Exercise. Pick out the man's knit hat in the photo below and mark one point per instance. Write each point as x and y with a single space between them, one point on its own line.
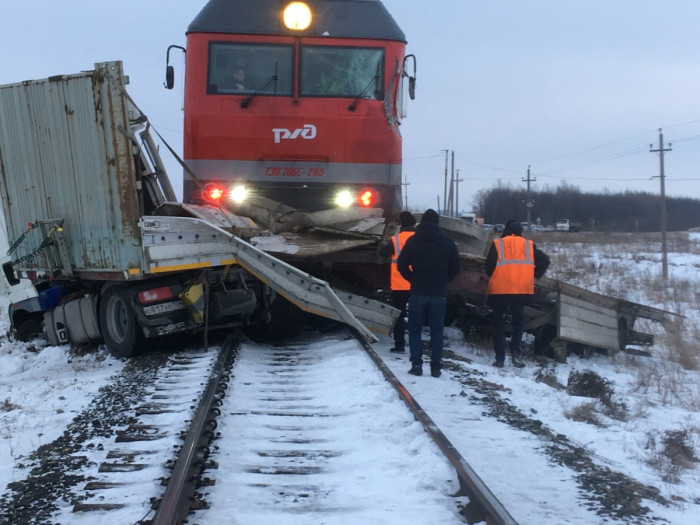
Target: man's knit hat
407 219
512 228
431 215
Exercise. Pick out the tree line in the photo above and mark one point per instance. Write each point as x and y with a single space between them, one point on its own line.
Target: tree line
629 211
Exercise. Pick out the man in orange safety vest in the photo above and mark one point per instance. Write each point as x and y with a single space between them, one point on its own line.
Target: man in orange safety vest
400 287
512 264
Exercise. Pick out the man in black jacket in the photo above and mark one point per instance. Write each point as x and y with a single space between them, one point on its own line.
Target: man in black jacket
429 260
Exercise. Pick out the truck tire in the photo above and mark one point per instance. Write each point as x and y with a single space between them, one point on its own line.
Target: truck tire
286 321
30 329
120 330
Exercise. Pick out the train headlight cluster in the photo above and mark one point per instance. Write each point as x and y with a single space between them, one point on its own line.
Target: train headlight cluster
297 16
218 194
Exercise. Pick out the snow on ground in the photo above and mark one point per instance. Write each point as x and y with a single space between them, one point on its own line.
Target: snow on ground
43 388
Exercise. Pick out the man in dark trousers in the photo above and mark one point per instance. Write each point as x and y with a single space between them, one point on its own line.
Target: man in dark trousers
400 287
429 260
512 264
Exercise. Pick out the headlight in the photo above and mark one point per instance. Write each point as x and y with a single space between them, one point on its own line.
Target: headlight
344 199
238 194
297 16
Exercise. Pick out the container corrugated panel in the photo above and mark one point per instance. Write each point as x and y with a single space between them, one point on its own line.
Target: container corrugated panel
63 155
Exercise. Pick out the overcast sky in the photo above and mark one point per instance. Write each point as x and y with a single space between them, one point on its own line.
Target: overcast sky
576 90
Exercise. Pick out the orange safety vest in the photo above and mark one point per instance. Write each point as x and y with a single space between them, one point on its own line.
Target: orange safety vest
515 269
397 281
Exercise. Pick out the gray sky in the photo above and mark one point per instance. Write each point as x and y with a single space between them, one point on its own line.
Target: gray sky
575 89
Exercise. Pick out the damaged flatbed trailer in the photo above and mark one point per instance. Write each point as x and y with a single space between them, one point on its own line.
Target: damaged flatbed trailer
563 318
89 209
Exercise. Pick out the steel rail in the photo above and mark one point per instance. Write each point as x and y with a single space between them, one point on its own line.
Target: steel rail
178 496
483 505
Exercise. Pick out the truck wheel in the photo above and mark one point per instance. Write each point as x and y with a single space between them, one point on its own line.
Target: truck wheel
286 321
122 334
31 328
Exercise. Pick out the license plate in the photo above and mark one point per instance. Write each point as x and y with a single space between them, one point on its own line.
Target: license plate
163 308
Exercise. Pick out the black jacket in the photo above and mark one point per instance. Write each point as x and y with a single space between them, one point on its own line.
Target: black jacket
429 260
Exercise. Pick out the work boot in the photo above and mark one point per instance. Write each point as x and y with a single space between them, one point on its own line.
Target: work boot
434 371
517 362
398 349
498 364
416 370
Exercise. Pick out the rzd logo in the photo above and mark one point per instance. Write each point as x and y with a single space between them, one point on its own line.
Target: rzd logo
307 132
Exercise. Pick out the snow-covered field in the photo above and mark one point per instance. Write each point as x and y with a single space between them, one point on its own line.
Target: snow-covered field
653 436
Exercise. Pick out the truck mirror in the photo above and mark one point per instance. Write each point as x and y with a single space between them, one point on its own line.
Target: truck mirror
412 87
169 77
9 272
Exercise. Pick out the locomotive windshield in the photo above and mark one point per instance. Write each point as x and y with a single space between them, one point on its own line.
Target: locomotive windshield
266 69
250 68
342 72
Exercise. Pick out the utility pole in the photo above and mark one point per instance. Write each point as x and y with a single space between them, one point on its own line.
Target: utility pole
444 195
662 176
457 181
529 203
405 185
450 198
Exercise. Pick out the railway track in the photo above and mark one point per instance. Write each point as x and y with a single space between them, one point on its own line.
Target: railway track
289 451
110 460
280 435
286 445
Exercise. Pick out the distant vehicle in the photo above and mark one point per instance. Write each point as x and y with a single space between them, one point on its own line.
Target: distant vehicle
488 226
563 225
499 227
548 228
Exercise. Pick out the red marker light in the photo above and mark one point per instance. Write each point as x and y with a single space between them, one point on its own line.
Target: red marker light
367 198
213 193
216 194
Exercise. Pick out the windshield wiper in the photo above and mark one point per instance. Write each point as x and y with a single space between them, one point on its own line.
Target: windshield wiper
269 82
353 106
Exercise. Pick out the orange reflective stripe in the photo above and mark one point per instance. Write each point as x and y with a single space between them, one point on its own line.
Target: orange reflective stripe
515 267
397 281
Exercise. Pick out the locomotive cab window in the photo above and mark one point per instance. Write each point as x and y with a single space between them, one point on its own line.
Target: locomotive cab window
342 72
236 68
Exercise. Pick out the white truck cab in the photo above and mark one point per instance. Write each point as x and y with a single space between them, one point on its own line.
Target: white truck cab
562 225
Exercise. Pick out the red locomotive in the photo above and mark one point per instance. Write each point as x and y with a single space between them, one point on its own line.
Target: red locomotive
299 102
